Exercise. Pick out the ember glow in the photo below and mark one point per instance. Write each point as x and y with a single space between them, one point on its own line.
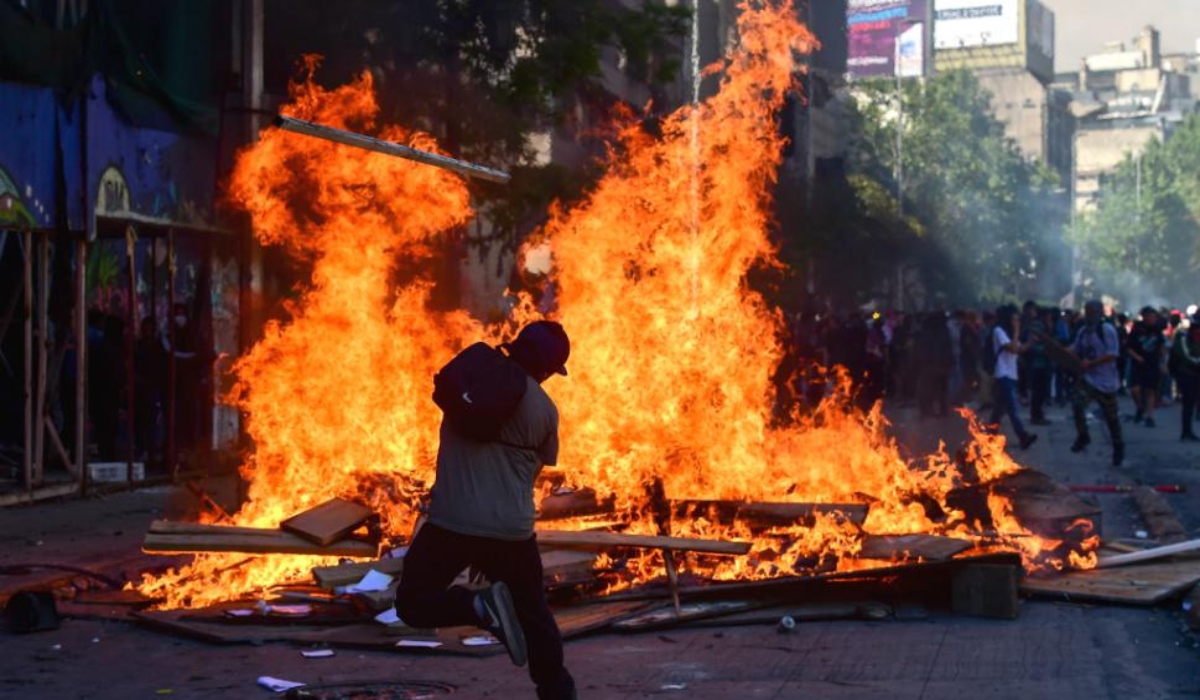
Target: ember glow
672 352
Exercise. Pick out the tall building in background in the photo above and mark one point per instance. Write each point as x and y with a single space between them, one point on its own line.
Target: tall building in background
1009 46
1125 96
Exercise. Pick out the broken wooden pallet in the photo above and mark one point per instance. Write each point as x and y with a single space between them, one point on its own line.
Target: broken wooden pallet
166 536
328 522
924 547
1145 584
609 540
353 572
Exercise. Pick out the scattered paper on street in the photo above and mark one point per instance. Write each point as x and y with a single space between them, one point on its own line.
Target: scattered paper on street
278 685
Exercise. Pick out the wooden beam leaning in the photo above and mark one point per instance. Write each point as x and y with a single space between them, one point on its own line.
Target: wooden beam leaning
1149 554
370 143
329 521
189 537
608 540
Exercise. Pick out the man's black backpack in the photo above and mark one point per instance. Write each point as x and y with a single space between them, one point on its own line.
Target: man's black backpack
479 390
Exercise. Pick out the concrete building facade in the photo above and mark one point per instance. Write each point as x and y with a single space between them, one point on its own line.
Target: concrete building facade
1012 55
1124 97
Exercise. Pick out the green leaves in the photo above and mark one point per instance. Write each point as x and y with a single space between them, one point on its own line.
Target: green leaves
987 210
1143 238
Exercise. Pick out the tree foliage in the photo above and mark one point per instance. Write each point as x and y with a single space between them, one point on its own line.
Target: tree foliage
992 216
1142 242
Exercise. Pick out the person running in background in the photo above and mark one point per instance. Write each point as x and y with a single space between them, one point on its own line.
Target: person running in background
1097 347
1036 362
1146 349
1185 368
1004 394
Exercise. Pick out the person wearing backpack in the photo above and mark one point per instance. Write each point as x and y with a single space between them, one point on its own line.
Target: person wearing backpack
1006 348
498 430
1098 346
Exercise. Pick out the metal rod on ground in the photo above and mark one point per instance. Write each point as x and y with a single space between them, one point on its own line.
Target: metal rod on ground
370 143
1120 488
171 368
81 359
130 335
27 455
43 322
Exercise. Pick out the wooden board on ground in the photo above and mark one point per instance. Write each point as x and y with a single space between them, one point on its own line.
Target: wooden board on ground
1145 584
664 616
581 618
362 635
329 522
1158 515
926 547
349 573
799 612
264 542
609 540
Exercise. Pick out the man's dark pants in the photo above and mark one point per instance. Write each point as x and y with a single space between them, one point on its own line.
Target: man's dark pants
1189 390
1039 389
425 599
1085 393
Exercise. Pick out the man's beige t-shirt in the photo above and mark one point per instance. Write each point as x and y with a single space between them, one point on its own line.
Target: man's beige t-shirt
486 488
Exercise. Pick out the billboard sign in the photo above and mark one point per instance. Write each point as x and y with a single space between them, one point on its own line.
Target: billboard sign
962 24
910 52
874 27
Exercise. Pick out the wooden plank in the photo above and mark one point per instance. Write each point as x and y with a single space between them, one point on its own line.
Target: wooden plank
178 527
563 565
582 618
898 547
1062 357
609 540
667 616
985 590
346 574
365 635
1146 584
1151 554
1158 515
799 612
329 522
787 513
273 542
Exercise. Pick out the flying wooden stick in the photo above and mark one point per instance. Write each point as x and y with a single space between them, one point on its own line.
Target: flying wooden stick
390 148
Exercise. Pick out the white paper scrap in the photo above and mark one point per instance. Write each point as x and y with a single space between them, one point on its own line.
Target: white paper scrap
420 643
481 640
243 612
388 617
277 684
317 653
373 581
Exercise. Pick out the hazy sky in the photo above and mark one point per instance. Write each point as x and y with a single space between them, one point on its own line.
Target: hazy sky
1083 26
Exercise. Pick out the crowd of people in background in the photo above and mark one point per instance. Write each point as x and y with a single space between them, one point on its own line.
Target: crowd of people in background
1008 362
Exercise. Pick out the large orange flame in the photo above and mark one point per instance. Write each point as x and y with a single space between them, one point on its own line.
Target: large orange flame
672 352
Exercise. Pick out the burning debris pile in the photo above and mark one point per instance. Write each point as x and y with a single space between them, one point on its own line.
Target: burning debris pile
667 424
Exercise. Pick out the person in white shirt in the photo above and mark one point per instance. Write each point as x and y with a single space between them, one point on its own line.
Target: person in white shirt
1004 390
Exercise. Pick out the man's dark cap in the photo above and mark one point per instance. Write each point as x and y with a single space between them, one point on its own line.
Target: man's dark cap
1146 310
542 346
